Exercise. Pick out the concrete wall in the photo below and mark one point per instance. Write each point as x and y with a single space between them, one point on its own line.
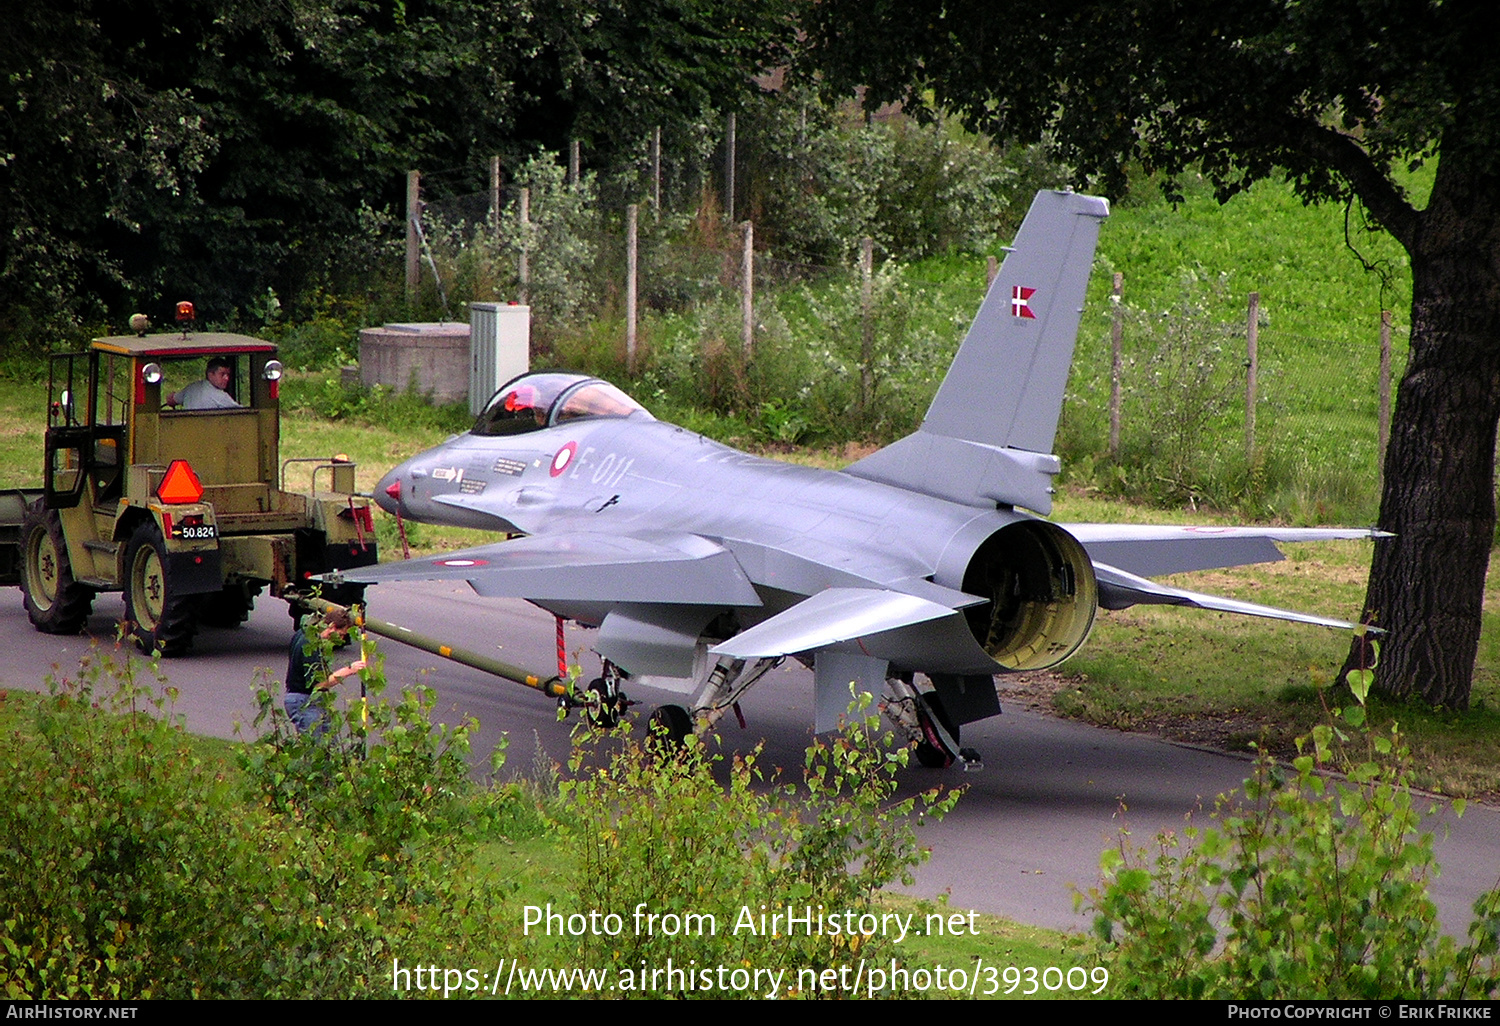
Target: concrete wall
431 358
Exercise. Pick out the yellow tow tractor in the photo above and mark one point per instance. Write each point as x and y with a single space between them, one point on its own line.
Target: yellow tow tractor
164 480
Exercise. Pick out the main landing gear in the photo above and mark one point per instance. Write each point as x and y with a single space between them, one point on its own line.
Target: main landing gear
916 714
920 717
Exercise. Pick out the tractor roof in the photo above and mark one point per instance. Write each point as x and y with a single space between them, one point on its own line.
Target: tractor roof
175 344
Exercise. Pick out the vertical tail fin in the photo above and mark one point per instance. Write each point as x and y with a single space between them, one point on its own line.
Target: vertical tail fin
987 438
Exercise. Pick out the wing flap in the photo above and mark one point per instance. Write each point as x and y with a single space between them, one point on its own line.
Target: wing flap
675 569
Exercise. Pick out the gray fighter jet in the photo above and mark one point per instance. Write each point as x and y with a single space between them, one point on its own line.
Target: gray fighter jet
918 572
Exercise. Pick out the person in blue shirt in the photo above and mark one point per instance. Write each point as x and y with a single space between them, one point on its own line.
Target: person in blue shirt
308 672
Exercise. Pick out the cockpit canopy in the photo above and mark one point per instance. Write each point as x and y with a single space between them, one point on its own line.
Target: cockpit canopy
532 402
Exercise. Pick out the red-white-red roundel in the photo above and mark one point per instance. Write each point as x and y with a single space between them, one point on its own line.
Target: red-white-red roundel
463 562
563 458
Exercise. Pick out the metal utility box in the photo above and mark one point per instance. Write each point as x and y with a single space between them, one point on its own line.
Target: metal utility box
499 348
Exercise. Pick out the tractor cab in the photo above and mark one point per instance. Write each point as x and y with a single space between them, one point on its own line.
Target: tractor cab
163 478
116 420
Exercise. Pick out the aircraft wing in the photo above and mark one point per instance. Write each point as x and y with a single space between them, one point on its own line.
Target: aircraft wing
680 569
1119 589
1153 551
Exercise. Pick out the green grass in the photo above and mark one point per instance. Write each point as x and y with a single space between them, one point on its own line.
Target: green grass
1318 347
1230 681
23 423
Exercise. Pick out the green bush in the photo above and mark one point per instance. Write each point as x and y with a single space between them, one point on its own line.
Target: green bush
802 380
329 397
134 868
822 178
662 834
1309 887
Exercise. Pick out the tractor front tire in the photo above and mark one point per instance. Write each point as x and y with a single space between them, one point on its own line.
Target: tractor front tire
55 602
161 620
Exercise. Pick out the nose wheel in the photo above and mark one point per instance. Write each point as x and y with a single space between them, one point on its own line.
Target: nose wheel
603 701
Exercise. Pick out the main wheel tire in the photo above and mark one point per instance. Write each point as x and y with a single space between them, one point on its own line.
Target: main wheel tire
932 751
55 602
159 618
230 607
669 727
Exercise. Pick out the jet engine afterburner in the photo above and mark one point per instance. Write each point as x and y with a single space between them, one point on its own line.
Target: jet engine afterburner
1042 595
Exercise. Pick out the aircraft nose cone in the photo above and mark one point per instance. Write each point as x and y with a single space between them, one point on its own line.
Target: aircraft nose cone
388 492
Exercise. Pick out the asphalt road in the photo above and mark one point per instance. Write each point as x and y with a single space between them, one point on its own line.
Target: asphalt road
1028 830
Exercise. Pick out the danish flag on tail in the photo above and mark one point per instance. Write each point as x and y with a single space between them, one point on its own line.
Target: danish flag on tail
1019 307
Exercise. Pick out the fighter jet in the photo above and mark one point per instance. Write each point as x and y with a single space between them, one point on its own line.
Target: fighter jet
918 572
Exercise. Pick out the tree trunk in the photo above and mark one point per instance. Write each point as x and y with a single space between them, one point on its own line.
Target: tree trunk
1427 583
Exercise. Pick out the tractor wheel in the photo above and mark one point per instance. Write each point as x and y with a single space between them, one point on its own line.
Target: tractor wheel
55 602
230 607
160 619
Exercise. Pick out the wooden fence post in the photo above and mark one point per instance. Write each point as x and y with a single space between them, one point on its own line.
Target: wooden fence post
523 266
1252 371
413 243
495 196
1116 361
573 161
991 269
656 172
1385 387
867 319
747 292
729 170
631 214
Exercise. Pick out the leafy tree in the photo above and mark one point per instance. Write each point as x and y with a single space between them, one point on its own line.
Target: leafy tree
152 150
608 71
1337 98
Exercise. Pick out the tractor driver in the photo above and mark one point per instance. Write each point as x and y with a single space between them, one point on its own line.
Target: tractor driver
212 392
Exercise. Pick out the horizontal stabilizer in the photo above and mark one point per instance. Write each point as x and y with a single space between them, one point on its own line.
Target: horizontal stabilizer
829 617
1152 551
680 569
1119 589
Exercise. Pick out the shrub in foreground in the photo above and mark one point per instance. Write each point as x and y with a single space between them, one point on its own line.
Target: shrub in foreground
1309 886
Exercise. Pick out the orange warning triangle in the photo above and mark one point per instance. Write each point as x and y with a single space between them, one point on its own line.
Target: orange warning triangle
180 484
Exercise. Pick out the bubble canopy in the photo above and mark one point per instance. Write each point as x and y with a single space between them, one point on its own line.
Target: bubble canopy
532 402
